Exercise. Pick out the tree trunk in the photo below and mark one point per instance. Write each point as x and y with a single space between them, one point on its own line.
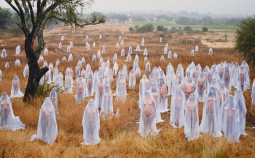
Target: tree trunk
35 73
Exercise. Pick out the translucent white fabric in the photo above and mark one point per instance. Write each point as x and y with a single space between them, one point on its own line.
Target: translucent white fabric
107 101
165 50
80 91
121 90
128 57
99 92
103 49
68 49
170 78
155 93
189 87
26 71
7 118
175 56
117 45
51 67
60 45
71 44
15 92
48 77
191 123
177 108
89 88
87 37
114 60
143 86
94 57
196 48
145 59
62 38
227 79
18 49
64 59
130 50
210 51
58 83
54 99
1 75
69 83
98 54
142 43
55 73
122 53
57 62
115 68
163 100
83 60
241 108
211 121
253 95
41 59
160 39
148 67
162 58
244 79
138 48
100 36
192 53
94 44
4 53
122 42
132 79
231 121
145 52
91 124
70 57
147 124
47 129
169 55
201 88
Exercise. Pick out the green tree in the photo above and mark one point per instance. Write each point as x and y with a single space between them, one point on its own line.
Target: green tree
5 17
38 13
161 28
188 29
245 39
204 29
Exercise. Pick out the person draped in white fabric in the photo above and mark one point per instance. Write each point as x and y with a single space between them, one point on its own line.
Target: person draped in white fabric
7 118
155 93
80 91
191 123
147 124
15 91
47 129
91 124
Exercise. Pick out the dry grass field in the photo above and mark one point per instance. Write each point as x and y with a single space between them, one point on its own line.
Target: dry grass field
119 137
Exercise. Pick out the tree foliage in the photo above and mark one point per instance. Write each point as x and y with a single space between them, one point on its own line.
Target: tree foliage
245 39
5 17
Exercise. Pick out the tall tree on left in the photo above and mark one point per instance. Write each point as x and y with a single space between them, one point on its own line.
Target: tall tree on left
34 15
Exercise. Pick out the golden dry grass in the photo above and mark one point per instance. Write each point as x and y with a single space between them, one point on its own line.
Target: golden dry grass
119 137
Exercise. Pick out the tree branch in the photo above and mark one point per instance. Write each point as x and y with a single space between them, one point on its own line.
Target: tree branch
31 12
13 7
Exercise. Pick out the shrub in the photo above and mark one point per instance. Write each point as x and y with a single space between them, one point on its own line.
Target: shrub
204 29
131 29
44 90
161 28
188 29
173 30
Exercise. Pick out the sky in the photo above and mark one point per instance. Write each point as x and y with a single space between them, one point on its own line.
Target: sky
235 7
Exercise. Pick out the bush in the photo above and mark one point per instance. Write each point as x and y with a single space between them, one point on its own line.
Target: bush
131 29
204 29
44 90
143 29
188 29
245 38
180 31
5 17
173 30
161 28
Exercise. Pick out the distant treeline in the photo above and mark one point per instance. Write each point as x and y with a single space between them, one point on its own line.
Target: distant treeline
181 20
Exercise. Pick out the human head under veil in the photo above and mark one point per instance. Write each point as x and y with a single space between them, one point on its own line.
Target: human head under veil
54 99
191 123
147 125
210 121
231 121
47 129
15 92
7 118
91 124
